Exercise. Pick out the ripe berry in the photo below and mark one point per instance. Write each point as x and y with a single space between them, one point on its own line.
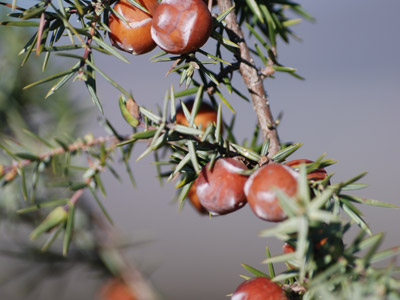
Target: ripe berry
326 245
194 200
287 248
115 289
220 190
134 38
180 27
318 174
259 288
205 116
261 194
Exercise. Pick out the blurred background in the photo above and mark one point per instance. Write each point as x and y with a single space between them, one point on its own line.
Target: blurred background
347 107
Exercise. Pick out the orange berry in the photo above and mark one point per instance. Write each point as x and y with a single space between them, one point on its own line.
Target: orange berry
204 117
220 190
287 248
116 289
134 38
261 194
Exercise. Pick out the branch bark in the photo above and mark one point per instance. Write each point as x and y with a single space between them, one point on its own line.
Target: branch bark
253 80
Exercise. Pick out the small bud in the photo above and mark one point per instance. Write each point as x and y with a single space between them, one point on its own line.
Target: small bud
133 108
54 218
130 111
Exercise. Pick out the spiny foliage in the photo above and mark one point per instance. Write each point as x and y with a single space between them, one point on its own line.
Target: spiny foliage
321 264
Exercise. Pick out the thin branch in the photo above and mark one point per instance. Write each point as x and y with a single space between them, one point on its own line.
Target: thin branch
88 44
11 171
76 196
60 150
253 80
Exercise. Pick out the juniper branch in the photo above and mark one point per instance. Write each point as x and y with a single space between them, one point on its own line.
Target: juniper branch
252 79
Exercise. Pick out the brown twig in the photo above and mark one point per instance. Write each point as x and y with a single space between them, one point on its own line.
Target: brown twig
60 150
12 6
88 49
252 79
76 196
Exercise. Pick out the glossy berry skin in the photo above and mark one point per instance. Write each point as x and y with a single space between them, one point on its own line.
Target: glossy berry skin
220 190
259 288
181 27
115 289
205 116
134 38
261 194
194 200
318 174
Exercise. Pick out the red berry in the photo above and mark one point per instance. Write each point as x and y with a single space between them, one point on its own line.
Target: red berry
261 194
220 190
134 38
116 289
181 26
259 288
318 174
287 248
205 116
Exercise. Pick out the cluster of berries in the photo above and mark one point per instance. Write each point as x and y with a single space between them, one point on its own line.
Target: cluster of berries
226 186
180 27
176 26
